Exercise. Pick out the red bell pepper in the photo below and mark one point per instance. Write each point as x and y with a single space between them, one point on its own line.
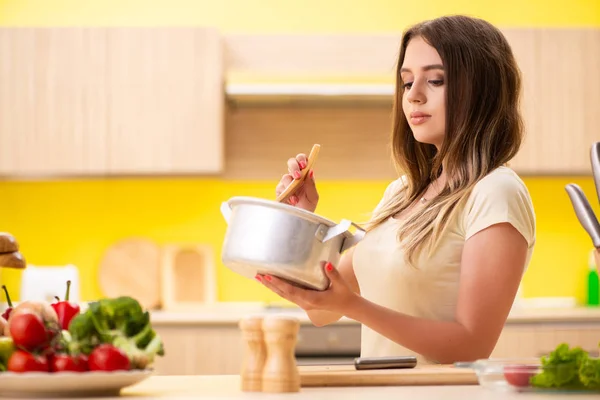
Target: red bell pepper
65 310
6 313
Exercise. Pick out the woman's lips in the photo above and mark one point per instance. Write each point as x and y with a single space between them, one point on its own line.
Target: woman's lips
417 118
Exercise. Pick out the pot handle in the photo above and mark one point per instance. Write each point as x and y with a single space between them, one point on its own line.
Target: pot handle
226 211
342 227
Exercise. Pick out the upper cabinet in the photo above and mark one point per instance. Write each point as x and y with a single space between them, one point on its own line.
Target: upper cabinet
111 101
560 102
561 99
180 101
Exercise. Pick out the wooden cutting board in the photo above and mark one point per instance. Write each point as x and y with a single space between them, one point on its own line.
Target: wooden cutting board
346 375
131 267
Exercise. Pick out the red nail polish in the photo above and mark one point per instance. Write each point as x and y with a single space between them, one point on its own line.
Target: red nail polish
329 266
257 277
312 173
268 278
302 164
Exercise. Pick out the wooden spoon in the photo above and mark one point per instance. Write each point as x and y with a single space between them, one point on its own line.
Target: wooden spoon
12 260
8 244
291 189
597 257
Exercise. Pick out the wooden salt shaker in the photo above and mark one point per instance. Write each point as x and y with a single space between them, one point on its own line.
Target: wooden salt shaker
254 355
280 373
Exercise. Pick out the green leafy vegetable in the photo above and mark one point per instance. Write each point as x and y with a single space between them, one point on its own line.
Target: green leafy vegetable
118 321
568 368
589 373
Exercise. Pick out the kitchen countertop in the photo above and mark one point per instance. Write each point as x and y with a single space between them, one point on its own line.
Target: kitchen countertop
231 313
228 387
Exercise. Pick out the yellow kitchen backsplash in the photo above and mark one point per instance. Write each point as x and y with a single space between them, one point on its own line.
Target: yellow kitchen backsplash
75 221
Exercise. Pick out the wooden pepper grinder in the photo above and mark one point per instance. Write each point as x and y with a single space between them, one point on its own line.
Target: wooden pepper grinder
280 373
254 355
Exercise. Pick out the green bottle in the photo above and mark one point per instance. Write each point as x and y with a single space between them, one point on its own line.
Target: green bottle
593 285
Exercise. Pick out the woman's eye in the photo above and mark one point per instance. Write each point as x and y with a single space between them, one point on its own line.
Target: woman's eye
437 82
407 85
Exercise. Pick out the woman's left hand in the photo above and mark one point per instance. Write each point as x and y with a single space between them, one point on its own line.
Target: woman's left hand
338 297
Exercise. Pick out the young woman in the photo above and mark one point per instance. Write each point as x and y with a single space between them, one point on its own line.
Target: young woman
438 270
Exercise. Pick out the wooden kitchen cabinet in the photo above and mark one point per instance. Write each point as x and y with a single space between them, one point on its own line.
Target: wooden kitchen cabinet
110 101
561 100
200 349
560 103
218 348
534 340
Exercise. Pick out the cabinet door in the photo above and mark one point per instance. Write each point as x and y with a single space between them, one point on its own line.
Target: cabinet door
52 101
535 340
165 101
561 99
96 101
200 350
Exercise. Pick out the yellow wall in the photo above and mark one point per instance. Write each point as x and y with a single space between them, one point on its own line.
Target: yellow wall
74 221
295 15
63 222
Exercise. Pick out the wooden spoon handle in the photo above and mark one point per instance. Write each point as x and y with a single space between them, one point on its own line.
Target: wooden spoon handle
597 257
291 189
8 244
12 260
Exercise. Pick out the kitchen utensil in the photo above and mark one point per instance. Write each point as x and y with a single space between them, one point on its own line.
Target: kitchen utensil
346 375
188 276
269 237
12 260
595 158
8 244
131 267
362 363
584 213
292 187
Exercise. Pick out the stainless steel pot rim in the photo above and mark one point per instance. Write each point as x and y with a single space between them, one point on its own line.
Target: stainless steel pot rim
312 217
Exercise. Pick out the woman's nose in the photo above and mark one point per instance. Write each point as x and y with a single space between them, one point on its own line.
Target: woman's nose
415 95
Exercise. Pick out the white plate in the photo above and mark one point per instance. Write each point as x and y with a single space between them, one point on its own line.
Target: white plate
68 384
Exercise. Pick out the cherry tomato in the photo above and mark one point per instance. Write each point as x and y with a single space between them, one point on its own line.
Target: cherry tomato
28 331
107 357
519 375
64 362
21 361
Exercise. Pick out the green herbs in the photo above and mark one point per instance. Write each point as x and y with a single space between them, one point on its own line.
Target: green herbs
568 368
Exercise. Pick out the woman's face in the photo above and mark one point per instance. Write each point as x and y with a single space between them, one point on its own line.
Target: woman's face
424 95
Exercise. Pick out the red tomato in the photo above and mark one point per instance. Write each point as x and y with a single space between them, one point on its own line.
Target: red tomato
64 362
519 375
28 331
22 361
107 357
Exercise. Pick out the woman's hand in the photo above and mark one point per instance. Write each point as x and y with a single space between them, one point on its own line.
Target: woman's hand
306 196
338 298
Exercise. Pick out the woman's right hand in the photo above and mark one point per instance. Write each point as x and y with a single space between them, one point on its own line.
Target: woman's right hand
306 196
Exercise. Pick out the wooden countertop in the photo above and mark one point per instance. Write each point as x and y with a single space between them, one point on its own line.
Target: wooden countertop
231 313
227 386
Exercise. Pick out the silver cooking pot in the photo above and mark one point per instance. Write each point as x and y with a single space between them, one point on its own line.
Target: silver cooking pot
269 237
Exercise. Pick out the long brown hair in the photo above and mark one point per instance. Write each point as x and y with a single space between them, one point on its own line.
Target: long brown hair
484 127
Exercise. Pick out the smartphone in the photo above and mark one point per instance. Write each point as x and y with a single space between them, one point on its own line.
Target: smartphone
362 363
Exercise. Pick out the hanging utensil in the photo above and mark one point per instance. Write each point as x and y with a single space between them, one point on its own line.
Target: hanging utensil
584 213
291 189
595 158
